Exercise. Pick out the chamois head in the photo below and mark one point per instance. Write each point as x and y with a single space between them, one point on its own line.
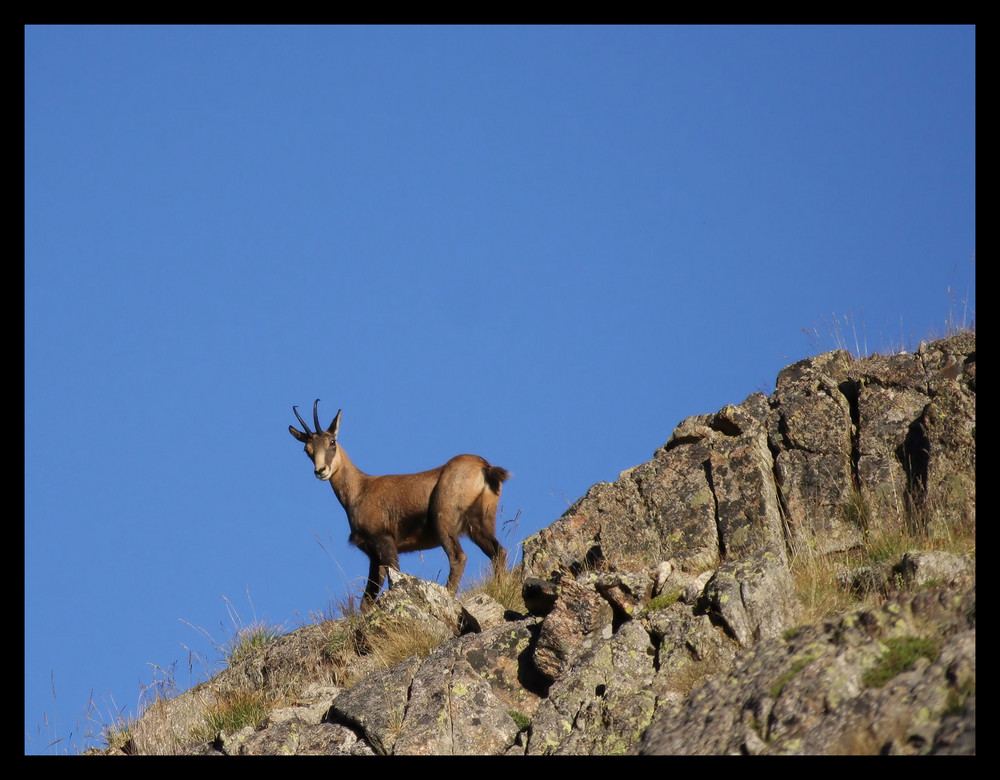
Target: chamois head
321 446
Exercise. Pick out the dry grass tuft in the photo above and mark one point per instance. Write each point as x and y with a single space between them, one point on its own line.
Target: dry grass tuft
819 576
505 588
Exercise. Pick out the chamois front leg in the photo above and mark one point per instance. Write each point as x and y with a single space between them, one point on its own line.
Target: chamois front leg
374 584
382 555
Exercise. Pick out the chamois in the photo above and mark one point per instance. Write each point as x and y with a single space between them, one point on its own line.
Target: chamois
406 512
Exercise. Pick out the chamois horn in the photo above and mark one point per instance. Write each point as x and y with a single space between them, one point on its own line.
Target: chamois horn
316 417
301 421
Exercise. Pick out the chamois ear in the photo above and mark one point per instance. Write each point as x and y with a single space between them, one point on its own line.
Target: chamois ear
334 426
296 433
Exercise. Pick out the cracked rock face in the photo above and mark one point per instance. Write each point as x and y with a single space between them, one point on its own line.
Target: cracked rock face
885 435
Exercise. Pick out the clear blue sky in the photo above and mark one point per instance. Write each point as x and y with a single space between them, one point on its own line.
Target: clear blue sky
543 245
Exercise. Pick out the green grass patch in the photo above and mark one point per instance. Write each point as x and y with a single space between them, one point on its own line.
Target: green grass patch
664 600
901 655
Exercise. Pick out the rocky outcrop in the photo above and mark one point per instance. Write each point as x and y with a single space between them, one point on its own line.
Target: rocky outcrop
816 691
661 612
893 433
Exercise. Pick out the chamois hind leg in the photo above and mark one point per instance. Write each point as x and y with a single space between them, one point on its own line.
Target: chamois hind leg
492 548
482 531
456 563
446 515
448 533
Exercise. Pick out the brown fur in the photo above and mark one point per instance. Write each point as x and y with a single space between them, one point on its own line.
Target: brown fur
406 512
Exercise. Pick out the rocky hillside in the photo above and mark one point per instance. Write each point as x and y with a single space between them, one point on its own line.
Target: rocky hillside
793 574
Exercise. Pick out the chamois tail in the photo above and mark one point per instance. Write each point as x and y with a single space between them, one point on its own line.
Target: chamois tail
495 477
